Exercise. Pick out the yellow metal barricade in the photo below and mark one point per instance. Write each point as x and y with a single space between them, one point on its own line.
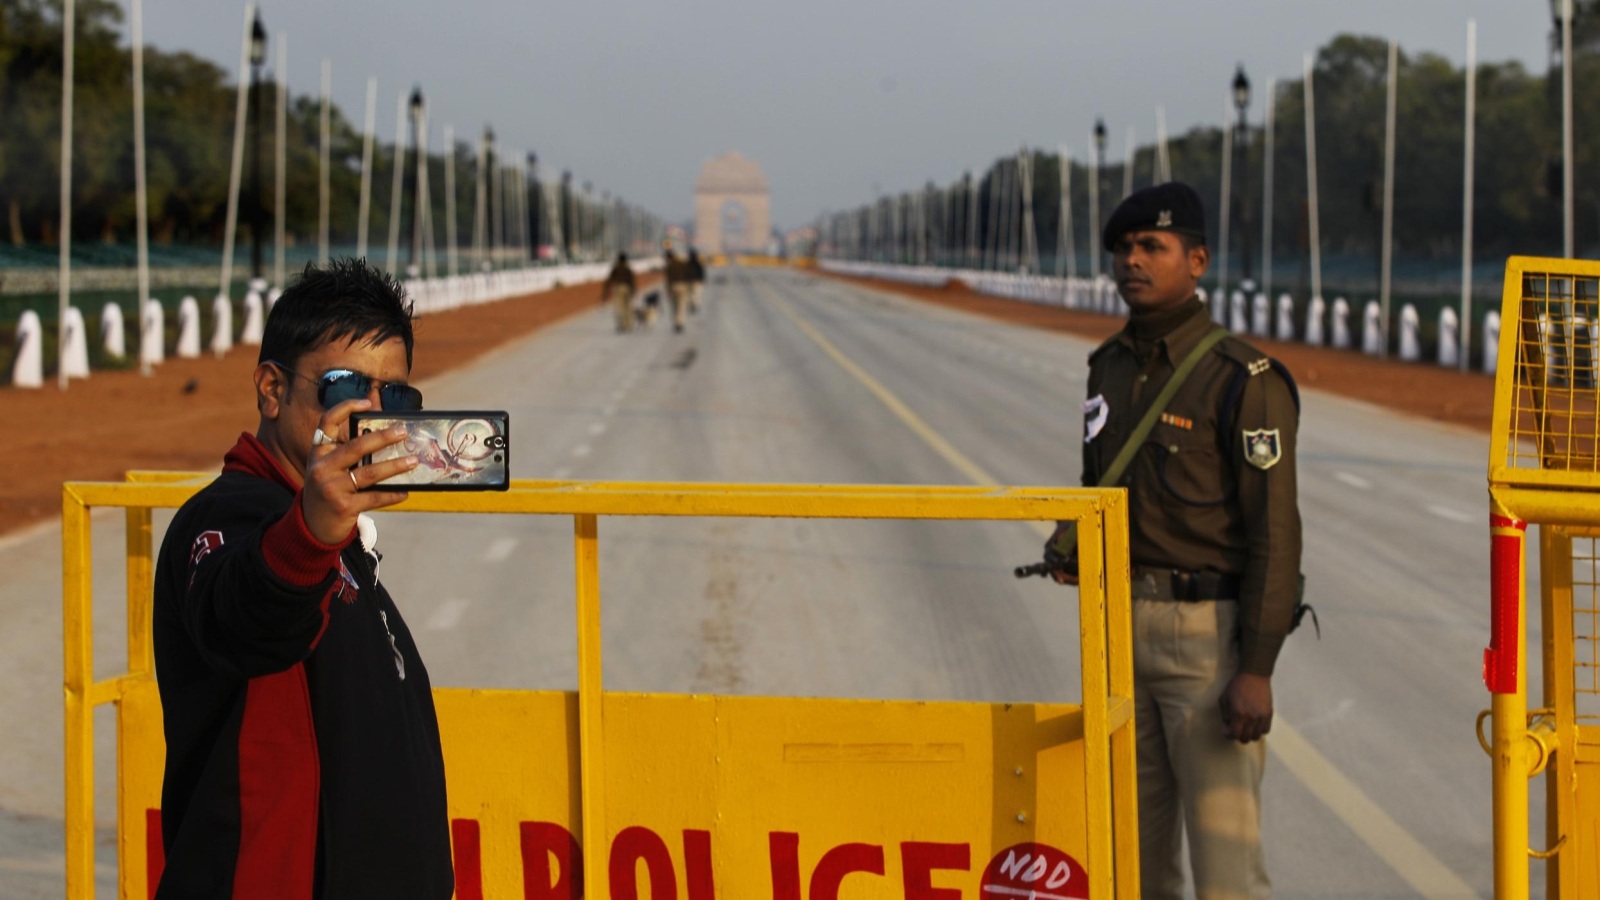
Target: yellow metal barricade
556 794
1544 470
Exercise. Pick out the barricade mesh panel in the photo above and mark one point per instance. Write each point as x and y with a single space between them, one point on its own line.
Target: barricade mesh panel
1554 422
1586 629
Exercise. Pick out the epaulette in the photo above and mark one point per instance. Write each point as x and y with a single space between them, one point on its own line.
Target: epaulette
1104 345
1252 362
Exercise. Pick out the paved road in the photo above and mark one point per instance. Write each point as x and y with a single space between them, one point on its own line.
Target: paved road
1376 785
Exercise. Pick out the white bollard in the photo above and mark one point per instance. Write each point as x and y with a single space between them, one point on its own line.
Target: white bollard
1410 334
28 370
75 358
272 298
153 334
1582 352
251 333
1316 329
1449 338
1285 331
113 336
1238 322
1491 342
1261 316
222 325
1341 324
1372 336
188 328
1219 307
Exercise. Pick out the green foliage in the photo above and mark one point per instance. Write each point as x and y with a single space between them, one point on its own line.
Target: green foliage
189 131
1518 139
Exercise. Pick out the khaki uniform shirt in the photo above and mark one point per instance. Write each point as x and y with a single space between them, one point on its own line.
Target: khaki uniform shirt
622 274
677 270
1204 494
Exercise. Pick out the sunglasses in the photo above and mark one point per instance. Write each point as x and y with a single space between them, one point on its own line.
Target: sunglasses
338 385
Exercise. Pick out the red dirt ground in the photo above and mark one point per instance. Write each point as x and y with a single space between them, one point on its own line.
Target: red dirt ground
189 411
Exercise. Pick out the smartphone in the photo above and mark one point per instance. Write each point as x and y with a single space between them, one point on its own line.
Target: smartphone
456 450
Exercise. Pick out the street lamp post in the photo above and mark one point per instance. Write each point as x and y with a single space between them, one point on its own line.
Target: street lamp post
416 107
1094 196
1241 102
1562 12
534 204
258 57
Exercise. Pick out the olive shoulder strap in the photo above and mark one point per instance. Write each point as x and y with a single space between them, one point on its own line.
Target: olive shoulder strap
1066 541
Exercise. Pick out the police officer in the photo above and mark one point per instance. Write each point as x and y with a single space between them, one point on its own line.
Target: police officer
1214 541
679 280
619 287
697 281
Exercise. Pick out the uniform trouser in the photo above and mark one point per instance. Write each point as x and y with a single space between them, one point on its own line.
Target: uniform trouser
696 288
680 299
622 305
1192 780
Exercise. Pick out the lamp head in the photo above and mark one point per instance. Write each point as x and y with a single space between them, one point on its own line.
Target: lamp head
258 41
1241 88
1100 134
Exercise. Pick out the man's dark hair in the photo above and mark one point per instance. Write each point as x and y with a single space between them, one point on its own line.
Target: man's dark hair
347 299
622 257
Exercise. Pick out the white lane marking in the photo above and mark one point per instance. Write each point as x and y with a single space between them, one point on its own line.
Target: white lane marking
581 450
447 616
597 428
1454 515
561 474
1355 481
500 550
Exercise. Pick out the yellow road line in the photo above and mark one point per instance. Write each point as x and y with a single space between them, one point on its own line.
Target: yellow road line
1409 859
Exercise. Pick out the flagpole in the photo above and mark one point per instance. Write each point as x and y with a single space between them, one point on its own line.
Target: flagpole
1466 195
141 191
1226 205
1388 194
1311 178
236 172
1269 135
280 172
398 183
369 126
324 211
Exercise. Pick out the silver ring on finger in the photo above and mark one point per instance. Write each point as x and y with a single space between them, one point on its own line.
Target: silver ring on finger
320 438
353 483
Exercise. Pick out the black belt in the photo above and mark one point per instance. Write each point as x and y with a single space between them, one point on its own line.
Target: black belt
1176 584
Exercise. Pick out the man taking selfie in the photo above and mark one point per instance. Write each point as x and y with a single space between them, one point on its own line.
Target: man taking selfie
303 755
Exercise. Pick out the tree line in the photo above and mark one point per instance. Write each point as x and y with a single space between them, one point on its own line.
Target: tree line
189 115
1517 177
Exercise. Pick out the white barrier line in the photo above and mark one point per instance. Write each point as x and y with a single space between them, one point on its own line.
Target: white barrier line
500 550
1355 481
447 616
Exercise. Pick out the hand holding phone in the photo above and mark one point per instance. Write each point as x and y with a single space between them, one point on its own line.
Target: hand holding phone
455 450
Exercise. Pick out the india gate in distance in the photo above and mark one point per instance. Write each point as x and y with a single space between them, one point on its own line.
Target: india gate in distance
732 206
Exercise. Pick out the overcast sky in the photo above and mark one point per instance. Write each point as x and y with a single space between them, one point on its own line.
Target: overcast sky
831 97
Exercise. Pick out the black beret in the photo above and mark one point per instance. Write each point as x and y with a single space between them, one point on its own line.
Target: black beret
1173 207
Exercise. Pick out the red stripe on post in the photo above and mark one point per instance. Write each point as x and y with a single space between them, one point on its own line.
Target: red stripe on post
155 851
464 838
1502 659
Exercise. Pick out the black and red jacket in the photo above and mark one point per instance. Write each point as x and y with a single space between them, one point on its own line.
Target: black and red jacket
303 755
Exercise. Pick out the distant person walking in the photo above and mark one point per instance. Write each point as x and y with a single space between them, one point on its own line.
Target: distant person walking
697 281
678 284
619 287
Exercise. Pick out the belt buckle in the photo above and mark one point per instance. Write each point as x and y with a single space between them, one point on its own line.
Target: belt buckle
1183 584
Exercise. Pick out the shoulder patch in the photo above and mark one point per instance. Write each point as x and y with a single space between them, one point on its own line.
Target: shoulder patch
1259 366
1262 448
